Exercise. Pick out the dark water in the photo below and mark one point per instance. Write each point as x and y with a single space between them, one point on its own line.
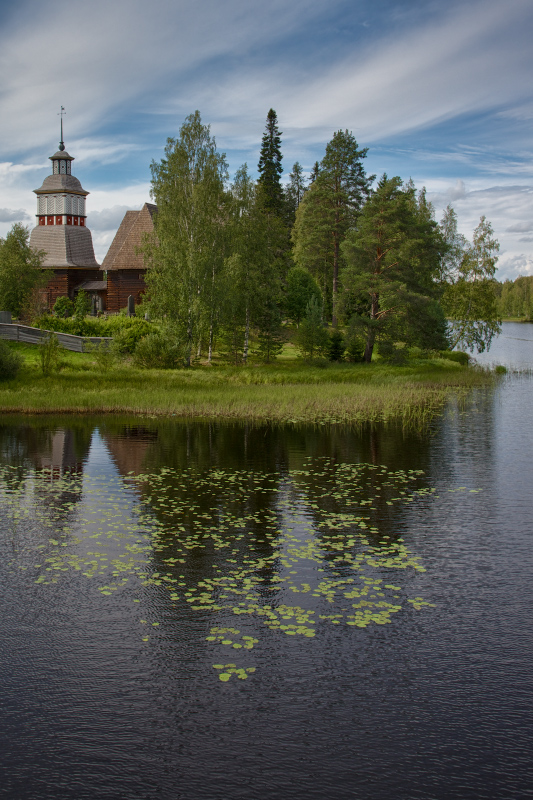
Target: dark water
271 527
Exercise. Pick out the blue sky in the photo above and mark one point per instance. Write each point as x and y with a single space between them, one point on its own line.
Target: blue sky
439 92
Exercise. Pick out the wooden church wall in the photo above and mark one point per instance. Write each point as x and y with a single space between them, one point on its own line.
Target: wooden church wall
121 284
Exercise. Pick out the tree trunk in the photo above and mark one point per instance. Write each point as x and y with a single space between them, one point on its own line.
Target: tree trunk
210 352
371 338
336 246
246 337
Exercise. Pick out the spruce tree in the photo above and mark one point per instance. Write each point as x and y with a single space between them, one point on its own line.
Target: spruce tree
328 211
269 166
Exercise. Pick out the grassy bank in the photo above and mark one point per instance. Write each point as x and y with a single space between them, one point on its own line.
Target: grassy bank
288 391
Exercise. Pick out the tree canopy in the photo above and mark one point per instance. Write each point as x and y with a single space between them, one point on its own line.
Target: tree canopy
269 167
374 260
470 299
20 270
329 209
392 266
187 251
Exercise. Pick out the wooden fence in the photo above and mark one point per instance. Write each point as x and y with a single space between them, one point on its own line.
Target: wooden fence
23 333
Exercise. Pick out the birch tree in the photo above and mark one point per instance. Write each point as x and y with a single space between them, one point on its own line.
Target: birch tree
186 253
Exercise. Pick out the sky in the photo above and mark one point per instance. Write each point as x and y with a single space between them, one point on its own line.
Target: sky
439 92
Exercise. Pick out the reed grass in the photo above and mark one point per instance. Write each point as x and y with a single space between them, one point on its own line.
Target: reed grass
290 391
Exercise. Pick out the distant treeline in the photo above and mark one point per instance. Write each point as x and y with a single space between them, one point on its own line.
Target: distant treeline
515 298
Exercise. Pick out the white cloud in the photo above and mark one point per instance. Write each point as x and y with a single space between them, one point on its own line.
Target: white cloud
108 218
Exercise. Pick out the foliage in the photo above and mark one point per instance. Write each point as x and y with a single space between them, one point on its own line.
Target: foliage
300 288
251 279
128 337
63 307
469 298
336 346
20 270
456 355
269 167
10 362
515 298
96 326
393 258
355 339
329 209
49 354
82 305
294 191
312 338
158 351
105 354
270 333
186 253
392 353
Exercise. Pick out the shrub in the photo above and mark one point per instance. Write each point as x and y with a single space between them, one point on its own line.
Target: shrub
49 352
128 336
336 346
392 354
158 351
63 307
312 338
456 355
82 305
10 362
105 354
94 326
354 340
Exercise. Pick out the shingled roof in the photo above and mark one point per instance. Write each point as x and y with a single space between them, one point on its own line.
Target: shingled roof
64 245
122 253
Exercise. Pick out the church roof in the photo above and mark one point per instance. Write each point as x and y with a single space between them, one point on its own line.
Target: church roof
122 254
61 154
64 245
67 184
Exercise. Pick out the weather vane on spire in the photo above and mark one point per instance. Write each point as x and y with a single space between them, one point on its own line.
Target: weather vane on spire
60 114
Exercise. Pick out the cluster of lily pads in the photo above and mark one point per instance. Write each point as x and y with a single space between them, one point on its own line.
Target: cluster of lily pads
257 539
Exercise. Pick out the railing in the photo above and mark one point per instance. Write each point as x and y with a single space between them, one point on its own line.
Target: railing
23 333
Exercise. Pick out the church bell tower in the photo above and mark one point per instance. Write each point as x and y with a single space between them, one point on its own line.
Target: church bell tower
61 230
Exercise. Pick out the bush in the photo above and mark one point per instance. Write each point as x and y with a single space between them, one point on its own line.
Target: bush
105 354
49 352
82 305
158 351
10 362
128 336
63 307
312 338
456 355
336 346
355 339
94 326
392 354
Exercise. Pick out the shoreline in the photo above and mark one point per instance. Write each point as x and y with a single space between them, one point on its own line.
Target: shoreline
279 393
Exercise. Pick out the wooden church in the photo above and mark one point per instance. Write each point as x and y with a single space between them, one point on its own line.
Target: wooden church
62 233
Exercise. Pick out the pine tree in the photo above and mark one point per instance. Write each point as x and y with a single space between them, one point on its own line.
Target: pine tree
294 191
329 209
269 166
393 258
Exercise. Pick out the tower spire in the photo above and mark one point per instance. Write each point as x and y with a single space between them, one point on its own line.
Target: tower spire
61 143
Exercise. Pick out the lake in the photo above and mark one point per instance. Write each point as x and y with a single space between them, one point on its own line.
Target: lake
205 610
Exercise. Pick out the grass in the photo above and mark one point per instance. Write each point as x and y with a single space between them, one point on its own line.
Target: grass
286 391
